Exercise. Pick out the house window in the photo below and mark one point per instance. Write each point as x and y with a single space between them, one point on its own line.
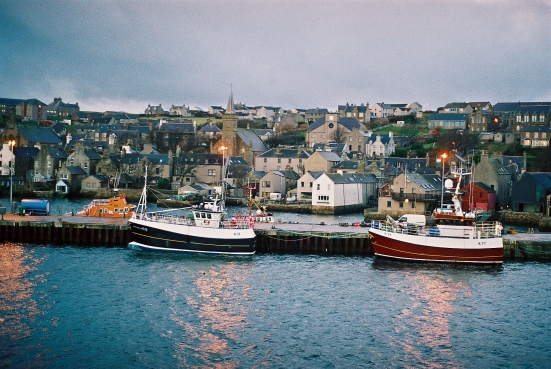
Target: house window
330 117
36 171
519 119
63 176
157 170
49 164
329 186
289 161
301 184
85 165
212 172
534 118
323 198
187 179
265 160
266 184
542 118
413 204
388 204
279 160
526 118
36 164
401 204
311 184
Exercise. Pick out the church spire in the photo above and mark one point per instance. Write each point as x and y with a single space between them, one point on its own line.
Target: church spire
231 108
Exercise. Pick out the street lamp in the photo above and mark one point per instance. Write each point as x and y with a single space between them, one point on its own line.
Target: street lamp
12 144
443 156
223 187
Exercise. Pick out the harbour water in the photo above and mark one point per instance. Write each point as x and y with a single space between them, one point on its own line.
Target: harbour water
65 307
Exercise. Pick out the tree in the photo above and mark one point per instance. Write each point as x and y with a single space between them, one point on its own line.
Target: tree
339 134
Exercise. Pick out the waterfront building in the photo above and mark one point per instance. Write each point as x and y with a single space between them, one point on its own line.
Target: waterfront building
337 192
410 193
278 181
322 161
532 193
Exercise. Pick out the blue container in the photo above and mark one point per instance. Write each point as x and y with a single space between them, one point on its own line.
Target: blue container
434 232
36 206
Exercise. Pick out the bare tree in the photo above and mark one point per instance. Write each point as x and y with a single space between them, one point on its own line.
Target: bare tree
339 134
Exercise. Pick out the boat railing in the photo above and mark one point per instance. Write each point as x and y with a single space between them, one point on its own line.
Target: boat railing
478 230
186 218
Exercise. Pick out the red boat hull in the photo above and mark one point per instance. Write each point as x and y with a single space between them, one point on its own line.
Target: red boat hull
467 251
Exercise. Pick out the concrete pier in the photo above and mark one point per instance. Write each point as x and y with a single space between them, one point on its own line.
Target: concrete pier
285 238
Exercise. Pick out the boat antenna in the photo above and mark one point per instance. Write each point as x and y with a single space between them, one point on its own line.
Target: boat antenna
142 204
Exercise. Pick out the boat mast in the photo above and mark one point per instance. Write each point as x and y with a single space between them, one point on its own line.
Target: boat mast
142 204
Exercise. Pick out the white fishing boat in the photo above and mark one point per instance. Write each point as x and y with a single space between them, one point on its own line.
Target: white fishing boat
194 230
457 236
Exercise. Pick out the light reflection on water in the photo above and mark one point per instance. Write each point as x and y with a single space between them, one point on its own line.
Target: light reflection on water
91 307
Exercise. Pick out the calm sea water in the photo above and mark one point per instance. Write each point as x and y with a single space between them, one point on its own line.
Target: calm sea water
66 307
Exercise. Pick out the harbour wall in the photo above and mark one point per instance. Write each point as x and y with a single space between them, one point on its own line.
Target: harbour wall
536 247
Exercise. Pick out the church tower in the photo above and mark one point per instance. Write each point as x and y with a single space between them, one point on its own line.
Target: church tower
229 128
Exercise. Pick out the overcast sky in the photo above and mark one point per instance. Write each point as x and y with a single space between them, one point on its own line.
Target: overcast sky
123 55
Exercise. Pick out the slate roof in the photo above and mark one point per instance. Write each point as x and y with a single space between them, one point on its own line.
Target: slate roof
428 182
515 106
207 128
385 138
371 178
346 164
92 154
535 129
75 170
316 111
39 135
316 175
252 139
132 159
56 153
25 152
338 178
457 105
534 109
257 173
285 154
482 186
331 146
59 127
448 116
542 177
289 174
330 156
348 123
237 160
177 127
496 164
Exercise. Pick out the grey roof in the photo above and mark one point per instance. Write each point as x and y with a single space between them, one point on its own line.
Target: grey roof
448 116
177 127
347 178
346 164
285 153
257 173
515 106
371 178
535 129
385 138
289 174
316 111
210 128
457 105
39 135
157 159
92 154
331 146
541 177
330 156
316 175
57 153
428 182
75 170
25 152
237 160
252 139
348 123
496 164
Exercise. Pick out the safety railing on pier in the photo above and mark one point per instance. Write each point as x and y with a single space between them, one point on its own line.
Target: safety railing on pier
478 230
185 217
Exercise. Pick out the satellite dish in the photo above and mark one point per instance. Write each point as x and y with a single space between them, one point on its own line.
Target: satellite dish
448 183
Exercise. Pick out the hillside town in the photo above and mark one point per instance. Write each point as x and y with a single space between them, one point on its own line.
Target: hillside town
392 158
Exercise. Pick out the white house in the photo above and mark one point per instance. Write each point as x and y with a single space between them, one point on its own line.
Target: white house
382 110
380 145
340 191
305 185
6 159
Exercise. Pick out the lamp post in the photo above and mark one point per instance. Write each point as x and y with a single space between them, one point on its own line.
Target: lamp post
443 156
12 144
223 186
